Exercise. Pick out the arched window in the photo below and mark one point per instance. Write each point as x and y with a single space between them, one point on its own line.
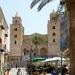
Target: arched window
43 52
15 42
53 27
54 34
53 40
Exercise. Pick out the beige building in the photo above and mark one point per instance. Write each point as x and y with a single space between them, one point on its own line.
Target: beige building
21 43
3 31
16 36
54 35
3 41
41 49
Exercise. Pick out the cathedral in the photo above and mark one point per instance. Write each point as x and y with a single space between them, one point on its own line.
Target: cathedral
21 44
23 47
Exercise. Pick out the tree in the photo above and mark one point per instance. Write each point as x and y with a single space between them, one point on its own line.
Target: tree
43 3
70 4
38 40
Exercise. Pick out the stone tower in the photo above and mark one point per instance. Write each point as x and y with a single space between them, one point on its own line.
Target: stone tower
53 35
16 36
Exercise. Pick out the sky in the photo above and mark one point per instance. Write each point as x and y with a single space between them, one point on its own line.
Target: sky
33 21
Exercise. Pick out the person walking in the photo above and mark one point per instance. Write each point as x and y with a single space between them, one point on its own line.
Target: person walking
19 72
44 72
36 72
7 72
64 70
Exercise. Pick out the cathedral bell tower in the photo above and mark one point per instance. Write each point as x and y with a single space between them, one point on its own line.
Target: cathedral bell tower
16 36
53 35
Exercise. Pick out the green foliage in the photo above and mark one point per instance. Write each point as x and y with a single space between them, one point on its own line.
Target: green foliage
41 5
44 2
61 7
34 3
38 40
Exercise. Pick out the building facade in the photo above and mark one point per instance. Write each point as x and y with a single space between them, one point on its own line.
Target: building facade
3 41
54 35
3 31
16 36
21 44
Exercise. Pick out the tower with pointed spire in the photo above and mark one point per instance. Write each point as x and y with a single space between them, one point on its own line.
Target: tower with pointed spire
16 35
53 35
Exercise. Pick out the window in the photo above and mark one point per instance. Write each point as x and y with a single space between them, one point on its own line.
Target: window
15 42
15 36
0 40
53 34
53 40
15 29
54 18
16 21
53 27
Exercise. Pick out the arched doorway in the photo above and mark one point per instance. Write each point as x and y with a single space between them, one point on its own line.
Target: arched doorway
43 52
25 51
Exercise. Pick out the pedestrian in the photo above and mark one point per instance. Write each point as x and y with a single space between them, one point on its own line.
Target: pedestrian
16 66
44 72
54 71
64 70
19 72
8 72
36 72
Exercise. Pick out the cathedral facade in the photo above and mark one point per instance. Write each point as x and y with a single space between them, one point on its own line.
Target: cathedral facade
21 44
